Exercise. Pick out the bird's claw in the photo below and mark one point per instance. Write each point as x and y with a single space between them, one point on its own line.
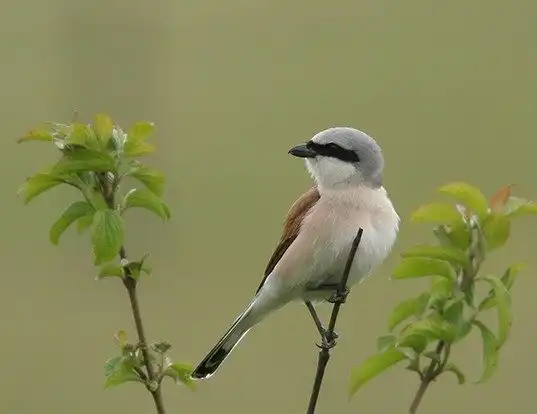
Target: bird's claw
334 335
338 296
327 343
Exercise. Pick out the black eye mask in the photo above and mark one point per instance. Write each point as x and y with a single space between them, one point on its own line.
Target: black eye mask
333 150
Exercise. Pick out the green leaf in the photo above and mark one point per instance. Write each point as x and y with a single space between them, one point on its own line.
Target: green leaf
167 211
181 374
433 328
372 367
470 196
432 355
490 352
138 266
412 267
103 125
385 342
453 236
84 222
144 265
82 159
111 270
121 375
121 339
106 235
454 315
80 134
503 306
441 291
496 228
141 131
68 217
413 363
36 185
437 213
509 276
153 180
96 198
454 312
406 309
38 134
518 207
142 149
409 353
146 199
415 340
488 303
135 146
451 255
112 365
508 280
451 367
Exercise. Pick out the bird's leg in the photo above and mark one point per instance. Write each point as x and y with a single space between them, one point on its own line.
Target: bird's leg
327 342
315 317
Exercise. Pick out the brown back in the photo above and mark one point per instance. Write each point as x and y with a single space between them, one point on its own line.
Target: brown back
291 227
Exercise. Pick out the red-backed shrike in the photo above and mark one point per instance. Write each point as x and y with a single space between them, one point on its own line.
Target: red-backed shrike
308 263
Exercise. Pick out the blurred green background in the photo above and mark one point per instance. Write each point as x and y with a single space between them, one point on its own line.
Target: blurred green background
448 89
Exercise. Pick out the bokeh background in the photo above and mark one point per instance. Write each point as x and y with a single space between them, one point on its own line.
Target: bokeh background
448 89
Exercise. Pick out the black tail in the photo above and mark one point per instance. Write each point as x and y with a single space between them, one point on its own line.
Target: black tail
208 366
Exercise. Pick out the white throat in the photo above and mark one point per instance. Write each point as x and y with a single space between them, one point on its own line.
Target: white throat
331 173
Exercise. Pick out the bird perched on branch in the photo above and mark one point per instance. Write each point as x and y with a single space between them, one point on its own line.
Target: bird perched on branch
307 264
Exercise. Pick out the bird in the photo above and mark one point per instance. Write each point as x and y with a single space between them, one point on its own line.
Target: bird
346 166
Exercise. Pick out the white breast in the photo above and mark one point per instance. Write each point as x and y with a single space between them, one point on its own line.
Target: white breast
334 223
319 253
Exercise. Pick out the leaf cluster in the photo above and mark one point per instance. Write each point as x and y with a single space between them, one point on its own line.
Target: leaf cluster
95 158
129 366
424 328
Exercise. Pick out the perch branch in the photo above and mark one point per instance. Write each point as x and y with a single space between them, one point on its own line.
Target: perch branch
329 335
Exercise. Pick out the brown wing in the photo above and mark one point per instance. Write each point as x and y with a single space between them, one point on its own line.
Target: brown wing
291 227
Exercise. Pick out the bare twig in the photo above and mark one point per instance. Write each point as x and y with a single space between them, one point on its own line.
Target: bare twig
329 336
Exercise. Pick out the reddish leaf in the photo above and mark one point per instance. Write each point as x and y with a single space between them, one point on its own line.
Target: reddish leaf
500 197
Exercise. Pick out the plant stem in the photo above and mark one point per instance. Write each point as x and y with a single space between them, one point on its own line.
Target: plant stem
428 377
130 285
108 191
419 395
328 338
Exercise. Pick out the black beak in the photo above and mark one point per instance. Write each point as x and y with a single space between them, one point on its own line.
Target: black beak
302 151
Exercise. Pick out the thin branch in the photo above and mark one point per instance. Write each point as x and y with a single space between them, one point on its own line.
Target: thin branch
433 370
328 337
129 282
130 285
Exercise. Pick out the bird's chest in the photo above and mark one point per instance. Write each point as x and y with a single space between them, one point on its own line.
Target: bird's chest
335 230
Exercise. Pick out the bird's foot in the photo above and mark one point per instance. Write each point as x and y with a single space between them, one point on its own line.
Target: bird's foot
328 341
339 296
